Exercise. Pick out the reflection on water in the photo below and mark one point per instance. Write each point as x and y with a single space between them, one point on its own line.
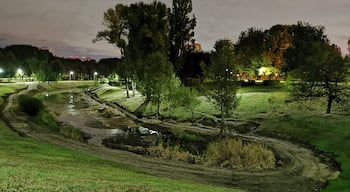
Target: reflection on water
85 114
71 110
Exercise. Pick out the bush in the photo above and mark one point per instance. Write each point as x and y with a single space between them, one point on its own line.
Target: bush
104 81
30 105
173 153
247 83
271 83
236 153
71 132
45 119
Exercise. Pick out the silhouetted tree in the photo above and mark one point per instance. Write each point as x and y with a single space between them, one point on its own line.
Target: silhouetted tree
250 50
320 67
181 31
117 24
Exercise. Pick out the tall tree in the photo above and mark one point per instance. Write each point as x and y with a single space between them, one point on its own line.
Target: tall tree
181 31
250 50
9 63
279 39
148 30
116 22
303 36
222 73
320 67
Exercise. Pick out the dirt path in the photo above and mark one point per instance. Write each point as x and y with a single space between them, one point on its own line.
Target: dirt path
301 171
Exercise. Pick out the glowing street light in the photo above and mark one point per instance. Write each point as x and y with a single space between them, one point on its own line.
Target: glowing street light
1 71
20 72
95 74
71 75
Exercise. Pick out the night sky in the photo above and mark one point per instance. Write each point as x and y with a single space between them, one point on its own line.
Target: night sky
67 27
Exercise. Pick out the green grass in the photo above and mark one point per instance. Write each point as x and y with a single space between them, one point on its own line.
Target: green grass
329 133
30 165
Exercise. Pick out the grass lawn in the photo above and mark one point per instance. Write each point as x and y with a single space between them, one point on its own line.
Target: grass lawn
30 165
329 133
305 122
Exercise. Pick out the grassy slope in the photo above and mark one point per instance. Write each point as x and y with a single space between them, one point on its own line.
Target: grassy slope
29 165
306 122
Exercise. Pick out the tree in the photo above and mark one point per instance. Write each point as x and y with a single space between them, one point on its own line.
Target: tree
222 73
187 98
192 68
318 65
181 31
303 36
148 31
9 64
250 50
349 45
323 74
158 75
116 22
279 39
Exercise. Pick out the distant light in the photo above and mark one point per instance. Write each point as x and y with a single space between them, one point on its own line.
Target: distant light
71 72
1 70
95 73
19 71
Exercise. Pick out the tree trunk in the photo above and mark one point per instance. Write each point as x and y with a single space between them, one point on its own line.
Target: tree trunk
329 104
127 87
133 87
222 129
158 109
192 113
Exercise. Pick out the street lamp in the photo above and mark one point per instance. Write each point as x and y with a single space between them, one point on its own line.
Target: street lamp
95 74
71 75
1 71
20 72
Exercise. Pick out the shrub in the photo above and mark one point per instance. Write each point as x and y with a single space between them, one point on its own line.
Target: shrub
173 153
45 119
104 81
236 153
271 83
71 132
30 105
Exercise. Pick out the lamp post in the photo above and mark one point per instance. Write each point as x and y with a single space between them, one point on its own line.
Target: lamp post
71 75
95 75
20 73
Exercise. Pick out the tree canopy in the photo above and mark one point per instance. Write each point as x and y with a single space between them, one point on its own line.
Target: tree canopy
318 65
181 31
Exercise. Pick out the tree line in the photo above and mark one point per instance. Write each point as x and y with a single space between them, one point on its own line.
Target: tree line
42 65
154 39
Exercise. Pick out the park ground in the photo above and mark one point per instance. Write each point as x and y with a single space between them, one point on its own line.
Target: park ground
25 161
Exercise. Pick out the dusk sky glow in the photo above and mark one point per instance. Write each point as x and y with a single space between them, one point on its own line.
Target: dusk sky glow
67 27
